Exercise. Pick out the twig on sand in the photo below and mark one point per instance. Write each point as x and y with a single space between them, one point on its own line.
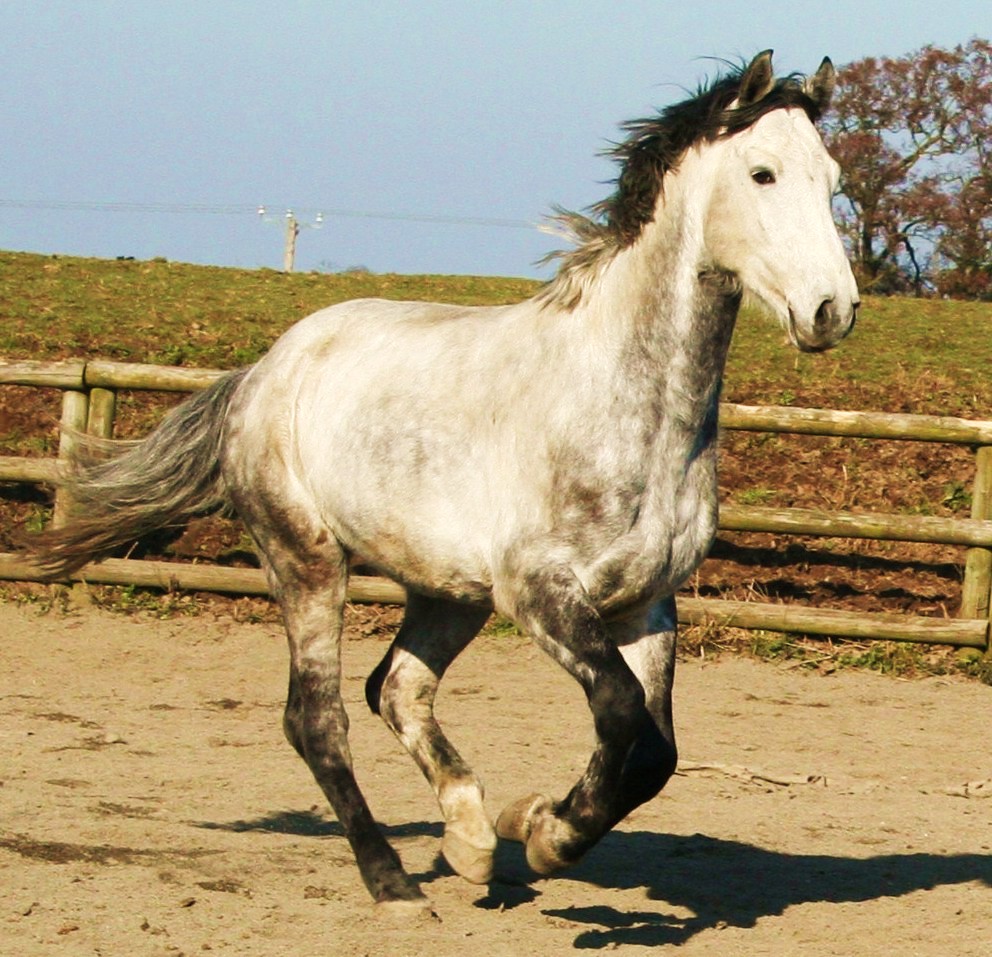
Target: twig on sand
749 776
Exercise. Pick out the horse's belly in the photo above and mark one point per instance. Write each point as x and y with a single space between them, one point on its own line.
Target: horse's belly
430 564
427 542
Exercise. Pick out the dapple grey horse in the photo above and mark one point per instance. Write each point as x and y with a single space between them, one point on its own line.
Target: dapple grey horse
554 460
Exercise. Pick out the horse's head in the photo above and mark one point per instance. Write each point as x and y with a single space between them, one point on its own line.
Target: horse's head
769 221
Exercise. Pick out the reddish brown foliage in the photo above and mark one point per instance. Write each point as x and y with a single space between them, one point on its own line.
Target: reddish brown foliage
913 136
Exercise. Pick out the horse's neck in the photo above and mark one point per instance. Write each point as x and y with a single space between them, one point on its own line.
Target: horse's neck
676 324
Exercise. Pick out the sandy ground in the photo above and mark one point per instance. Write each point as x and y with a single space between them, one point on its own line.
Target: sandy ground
150 805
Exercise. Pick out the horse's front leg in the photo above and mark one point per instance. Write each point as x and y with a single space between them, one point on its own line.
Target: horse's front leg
556 611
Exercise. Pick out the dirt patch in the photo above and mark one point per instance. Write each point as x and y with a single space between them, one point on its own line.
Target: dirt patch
814 814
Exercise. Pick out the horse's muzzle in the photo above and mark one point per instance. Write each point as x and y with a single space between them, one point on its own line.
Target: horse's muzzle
831 323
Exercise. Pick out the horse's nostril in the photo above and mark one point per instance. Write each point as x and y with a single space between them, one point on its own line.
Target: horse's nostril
826 314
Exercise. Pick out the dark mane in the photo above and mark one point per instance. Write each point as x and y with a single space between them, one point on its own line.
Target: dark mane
654 146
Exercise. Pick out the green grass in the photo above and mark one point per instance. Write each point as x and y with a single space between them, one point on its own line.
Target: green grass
905 354
178 314
756 496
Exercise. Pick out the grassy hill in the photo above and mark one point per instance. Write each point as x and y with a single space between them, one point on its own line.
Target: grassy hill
180 314
905 355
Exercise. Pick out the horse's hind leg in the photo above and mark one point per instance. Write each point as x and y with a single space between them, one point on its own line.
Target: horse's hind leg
402 690
311 582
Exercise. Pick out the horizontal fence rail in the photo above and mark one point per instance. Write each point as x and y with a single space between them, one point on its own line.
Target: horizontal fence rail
89 394
855 425
927 529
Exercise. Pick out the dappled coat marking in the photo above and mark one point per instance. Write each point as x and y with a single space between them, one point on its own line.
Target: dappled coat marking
554 460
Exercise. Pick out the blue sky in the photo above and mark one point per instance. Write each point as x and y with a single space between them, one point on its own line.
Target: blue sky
382 115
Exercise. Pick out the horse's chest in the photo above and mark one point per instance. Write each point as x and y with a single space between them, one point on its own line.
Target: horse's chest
669 539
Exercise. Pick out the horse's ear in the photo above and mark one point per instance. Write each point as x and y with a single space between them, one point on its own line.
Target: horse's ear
757 80
820 86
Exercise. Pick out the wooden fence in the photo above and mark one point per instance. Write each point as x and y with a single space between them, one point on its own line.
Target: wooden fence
88 404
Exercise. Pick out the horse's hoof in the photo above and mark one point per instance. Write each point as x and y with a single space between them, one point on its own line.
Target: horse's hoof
548 837
517 819
407 909
473 863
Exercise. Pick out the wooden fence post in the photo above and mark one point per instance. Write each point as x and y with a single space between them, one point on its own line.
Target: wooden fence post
100 416
977 586
75 409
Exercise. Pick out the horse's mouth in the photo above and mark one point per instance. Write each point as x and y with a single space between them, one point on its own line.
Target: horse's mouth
793 330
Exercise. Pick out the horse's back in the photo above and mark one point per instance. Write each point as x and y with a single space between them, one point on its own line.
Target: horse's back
376 416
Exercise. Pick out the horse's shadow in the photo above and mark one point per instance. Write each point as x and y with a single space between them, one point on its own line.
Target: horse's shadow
723 883
718 883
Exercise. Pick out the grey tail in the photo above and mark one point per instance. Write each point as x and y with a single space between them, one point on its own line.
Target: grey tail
157 482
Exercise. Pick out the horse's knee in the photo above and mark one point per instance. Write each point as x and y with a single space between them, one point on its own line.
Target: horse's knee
651 762
292 716
619 708
405 703
401 691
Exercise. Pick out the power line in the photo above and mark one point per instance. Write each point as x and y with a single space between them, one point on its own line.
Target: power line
239 210
419 218
84 206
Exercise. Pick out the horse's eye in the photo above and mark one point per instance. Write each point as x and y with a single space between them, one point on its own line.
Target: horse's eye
763 177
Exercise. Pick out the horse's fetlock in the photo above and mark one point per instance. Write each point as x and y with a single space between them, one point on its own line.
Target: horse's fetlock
555 843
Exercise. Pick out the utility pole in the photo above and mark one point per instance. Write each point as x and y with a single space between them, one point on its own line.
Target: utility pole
292 230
